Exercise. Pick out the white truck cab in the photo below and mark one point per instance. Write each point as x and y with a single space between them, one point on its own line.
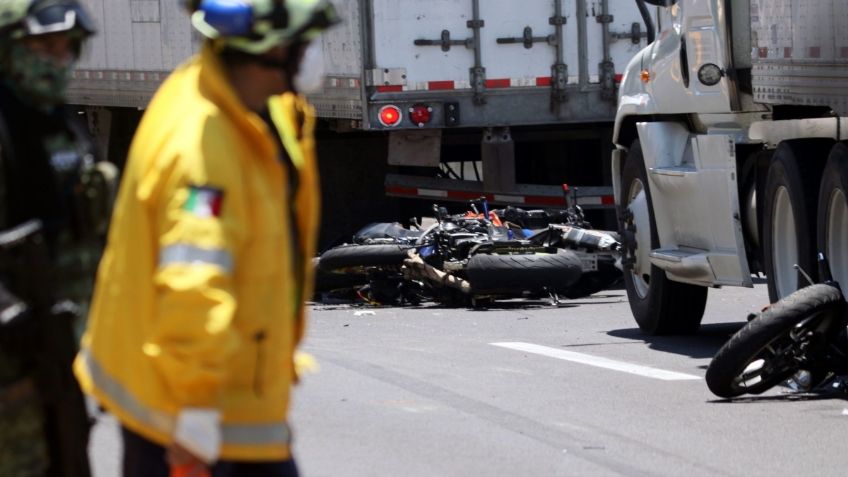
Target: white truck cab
728 157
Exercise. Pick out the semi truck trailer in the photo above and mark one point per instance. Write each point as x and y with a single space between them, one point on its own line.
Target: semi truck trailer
440 100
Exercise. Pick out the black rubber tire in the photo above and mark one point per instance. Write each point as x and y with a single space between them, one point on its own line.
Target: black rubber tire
834 182
593 282
747 345
348 256
493 273
668 307
796 166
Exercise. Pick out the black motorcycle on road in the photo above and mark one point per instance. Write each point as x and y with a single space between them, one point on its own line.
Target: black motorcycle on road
801 339
478 256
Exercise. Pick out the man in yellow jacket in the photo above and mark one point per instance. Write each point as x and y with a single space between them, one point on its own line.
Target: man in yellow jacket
199 301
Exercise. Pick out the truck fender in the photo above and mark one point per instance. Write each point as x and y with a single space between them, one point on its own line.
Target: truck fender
634 98
663 146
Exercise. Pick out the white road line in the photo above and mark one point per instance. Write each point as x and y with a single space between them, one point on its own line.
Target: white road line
598 361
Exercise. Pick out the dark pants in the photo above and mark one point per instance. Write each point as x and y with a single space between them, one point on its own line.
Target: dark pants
143 458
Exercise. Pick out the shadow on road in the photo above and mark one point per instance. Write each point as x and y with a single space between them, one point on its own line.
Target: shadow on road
704 344
782 398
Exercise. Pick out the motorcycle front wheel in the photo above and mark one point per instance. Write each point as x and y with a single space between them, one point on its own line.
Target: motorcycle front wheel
353 256
770 348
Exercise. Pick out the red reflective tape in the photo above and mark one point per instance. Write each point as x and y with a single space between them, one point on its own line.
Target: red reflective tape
763 52
844 51
815 52
543 81
619 77
608 200
398 190
787 52
544 200
440 85
464 195
498 83
394 88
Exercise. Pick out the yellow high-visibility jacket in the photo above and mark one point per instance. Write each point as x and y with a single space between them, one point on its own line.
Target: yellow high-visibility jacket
199 295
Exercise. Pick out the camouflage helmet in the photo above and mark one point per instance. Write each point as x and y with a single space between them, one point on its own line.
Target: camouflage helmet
22 18
256 26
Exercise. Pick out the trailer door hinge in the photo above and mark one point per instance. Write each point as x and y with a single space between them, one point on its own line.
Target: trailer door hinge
608 90
559 80
604 18
635 34
478 84
558 20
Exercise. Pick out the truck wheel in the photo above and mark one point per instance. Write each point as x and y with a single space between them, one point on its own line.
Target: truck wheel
660 305
352 256
494 273
833 213
792 189
765 351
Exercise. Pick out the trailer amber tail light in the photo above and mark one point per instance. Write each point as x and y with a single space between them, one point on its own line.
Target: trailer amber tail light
420 114
389 116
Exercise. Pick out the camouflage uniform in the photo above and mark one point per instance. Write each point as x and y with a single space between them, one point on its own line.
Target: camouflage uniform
49 173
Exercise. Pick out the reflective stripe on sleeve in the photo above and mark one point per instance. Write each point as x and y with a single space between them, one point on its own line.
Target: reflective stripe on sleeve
276 433
183 253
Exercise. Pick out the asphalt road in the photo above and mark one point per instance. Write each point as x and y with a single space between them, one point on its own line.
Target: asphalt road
531 389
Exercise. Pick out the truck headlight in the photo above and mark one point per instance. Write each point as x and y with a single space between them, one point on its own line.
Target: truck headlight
710 74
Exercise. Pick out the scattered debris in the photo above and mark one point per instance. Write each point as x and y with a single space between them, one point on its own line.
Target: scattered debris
364 313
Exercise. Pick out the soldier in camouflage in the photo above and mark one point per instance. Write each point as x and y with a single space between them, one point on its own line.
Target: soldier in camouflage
54 205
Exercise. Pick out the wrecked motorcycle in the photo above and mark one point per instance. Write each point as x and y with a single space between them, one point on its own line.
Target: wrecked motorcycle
800 340
480 256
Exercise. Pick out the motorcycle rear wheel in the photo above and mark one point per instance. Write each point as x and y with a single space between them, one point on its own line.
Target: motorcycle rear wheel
496 273
762 354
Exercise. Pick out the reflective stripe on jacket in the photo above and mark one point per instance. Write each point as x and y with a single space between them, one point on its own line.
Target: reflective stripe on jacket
194 304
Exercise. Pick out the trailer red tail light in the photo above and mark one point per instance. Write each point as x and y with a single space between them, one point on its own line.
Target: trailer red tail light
420 114
389 116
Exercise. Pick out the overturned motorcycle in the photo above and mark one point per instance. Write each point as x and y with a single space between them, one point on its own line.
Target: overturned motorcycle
476 257
800 340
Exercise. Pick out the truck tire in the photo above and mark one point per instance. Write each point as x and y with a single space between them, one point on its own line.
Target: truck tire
351 256
659 305
789 228
748 364
833 213
494 273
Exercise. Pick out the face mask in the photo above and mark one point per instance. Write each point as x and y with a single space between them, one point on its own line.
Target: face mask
40 81
310 74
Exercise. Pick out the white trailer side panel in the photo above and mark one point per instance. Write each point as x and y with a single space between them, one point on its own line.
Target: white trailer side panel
499 62
625 23
398 23
342 95
138 43
514 61
800 52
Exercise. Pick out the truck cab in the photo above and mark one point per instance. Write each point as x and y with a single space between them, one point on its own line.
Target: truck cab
725 125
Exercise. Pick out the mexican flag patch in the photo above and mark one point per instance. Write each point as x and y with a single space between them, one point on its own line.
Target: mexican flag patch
204 202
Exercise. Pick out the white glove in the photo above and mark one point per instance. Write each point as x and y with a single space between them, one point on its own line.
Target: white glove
199 432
